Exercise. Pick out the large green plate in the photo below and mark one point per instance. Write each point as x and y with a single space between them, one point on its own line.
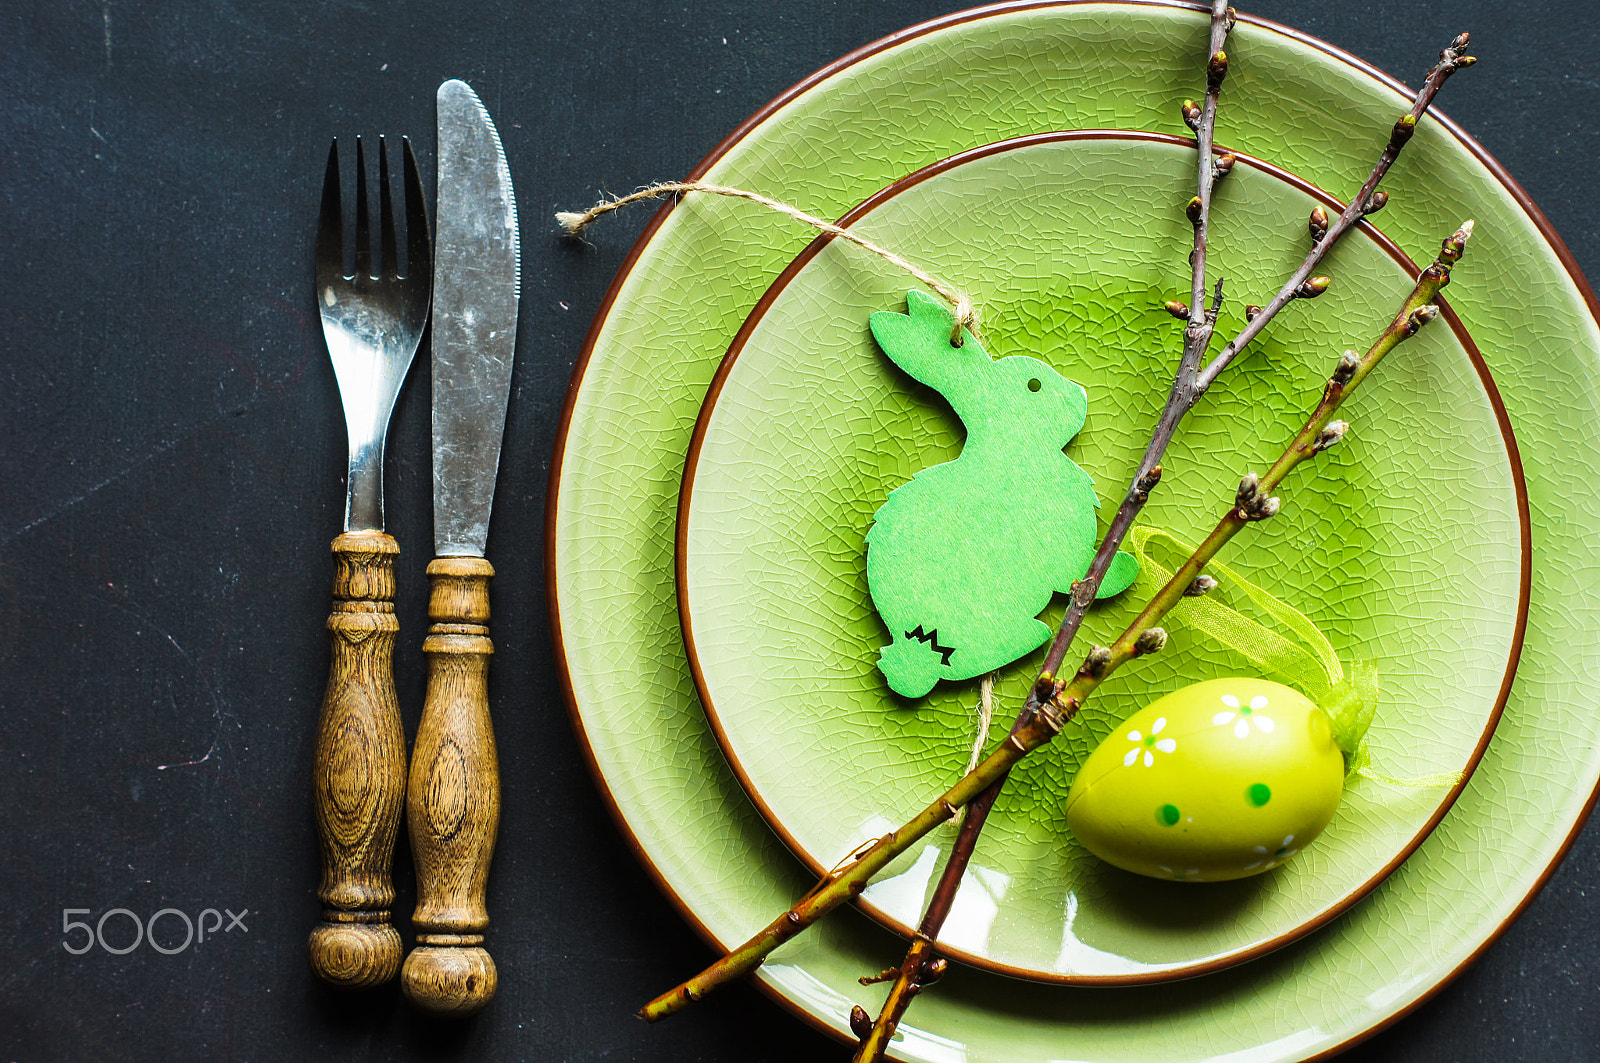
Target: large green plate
858 126
808 427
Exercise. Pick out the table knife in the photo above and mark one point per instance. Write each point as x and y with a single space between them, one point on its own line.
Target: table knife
453 799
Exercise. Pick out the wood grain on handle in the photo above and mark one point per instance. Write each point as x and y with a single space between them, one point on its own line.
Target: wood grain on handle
453 802
358 777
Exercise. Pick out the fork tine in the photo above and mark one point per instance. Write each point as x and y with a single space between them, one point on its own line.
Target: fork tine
390 266
330 224
363 220
418 246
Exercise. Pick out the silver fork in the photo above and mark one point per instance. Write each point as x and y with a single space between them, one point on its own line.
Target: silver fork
372 321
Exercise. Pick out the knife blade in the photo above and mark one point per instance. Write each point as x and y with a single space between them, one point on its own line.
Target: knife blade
453 797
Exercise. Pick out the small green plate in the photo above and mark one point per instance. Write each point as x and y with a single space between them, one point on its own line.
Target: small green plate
858 126
808 427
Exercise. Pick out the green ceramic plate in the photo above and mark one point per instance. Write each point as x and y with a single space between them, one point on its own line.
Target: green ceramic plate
808 427
857 127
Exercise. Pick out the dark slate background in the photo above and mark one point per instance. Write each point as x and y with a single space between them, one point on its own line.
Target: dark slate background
173 450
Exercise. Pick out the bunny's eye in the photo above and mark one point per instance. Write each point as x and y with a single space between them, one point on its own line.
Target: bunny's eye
1035 384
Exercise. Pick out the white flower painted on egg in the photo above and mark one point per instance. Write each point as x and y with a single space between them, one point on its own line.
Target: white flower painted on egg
1148 745
1243 717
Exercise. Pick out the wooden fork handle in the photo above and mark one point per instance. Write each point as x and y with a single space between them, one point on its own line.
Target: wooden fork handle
453 802
358 777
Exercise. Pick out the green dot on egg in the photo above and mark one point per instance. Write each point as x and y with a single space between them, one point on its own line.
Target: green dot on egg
1167 814
1259 794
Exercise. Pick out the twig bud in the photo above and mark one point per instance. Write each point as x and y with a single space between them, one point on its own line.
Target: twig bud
1348 361
1216 70
1224 166
1139 493
1150 640
1203 584
1233 16
1312 288
1252 312
1329 436
1192 209
1045 688
1455 244
1419 317
1191 115
1249 501
1454 56
1095 664
1178 310
932 971
1375 202
860 1023
1317 225
1403 129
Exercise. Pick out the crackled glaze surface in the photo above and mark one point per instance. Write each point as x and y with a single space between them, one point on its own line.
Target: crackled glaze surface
809 427
862 126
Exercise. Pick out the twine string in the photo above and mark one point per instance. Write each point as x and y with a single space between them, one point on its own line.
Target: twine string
985 715
966 314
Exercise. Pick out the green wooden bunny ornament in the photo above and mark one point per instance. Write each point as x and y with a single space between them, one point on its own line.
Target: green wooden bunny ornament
963 557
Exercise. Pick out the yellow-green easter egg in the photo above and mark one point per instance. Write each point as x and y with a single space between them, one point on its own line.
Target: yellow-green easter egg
1219 780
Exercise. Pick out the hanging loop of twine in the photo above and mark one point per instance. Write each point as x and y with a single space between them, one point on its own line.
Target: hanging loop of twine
966 314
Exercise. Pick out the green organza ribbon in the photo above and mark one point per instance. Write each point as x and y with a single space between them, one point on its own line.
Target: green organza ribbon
1292 649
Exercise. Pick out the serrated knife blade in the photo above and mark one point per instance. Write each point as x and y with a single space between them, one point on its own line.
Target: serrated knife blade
476 284
453 794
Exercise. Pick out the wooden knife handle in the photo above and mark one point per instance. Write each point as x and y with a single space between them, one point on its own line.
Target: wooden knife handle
358 777
453 803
